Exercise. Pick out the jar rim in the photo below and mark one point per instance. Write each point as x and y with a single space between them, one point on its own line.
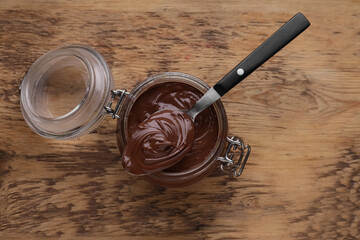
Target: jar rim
194 82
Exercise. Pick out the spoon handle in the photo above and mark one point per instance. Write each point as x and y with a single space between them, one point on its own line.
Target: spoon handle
266 50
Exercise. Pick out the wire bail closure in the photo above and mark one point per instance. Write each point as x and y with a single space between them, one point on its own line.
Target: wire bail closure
228 165
120 95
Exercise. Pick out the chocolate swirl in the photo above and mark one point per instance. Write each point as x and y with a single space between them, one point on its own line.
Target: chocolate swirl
159 142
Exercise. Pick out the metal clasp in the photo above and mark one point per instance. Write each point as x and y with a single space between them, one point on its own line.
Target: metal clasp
235 144
120 95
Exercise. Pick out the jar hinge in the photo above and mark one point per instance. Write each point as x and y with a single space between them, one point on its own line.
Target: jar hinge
120 95
235 144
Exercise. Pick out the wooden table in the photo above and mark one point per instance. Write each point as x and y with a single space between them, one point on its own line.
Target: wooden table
300 112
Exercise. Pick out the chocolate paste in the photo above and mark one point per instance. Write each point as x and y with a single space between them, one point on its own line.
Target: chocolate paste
173 96
159 142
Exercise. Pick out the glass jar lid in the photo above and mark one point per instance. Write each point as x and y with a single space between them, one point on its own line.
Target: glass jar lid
64 92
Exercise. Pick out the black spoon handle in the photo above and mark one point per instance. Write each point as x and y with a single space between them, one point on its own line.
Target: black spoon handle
266 50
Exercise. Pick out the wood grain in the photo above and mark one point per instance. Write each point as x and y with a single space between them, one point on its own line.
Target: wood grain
300 112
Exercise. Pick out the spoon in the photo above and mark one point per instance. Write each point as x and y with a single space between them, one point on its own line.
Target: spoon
261 54
165 137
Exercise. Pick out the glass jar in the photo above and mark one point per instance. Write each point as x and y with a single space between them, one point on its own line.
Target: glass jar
64 91
68 91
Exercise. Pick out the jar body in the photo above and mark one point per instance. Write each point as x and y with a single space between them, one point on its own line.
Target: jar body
192 175
69 90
